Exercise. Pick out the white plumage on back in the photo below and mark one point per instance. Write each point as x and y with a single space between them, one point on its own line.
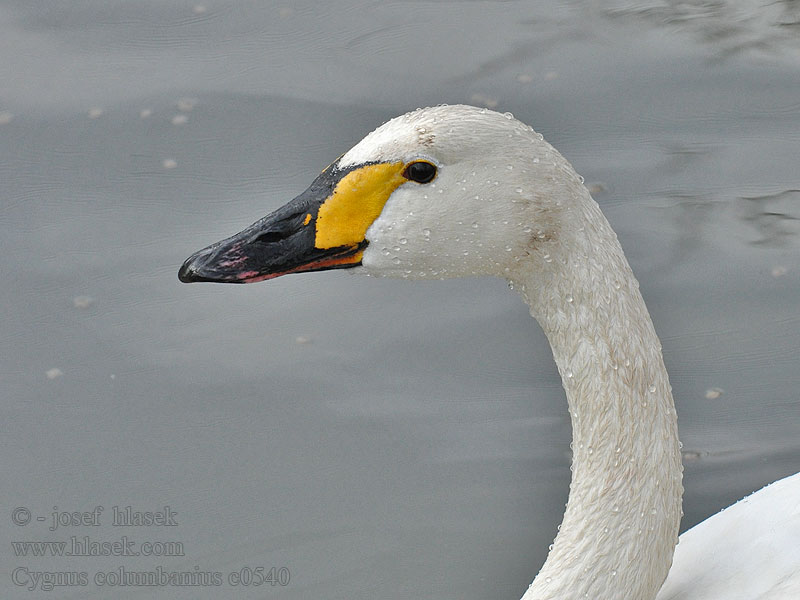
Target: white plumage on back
749 550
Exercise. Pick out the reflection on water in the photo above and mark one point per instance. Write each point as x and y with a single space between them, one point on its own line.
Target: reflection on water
378 438
775 217
727 27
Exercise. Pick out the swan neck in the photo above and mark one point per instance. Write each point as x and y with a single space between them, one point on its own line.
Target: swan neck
622 517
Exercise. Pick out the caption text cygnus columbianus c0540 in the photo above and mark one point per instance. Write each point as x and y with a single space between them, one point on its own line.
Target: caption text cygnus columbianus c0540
457 191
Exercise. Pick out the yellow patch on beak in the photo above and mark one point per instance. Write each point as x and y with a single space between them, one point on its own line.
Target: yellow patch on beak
356 202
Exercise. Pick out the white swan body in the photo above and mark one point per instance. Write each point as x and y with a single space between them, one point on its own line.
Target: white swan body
749 550
455 191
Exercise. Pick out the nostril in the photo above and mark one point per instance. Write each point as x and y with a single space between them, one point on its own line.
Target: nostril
271 237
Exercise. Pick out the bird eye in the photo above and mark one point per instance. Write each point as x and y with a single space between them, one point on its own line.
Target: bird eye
420 171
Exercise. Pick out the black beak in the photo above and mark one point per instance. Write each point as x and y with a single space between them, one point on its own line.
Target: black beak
280 243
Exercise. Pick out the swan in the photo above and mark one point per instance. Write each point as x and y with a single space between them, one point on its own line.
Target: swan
456 191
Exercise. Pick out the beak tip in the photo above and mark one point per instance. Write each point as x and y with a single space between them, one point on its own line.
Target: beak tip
186 273
203 266
193 268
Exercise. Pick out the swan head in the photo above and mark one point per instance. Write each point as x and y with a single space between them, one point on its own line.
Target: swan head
448 191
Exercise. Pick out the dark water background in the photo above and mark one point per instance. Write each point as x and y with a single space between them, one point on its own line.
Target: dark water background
377 438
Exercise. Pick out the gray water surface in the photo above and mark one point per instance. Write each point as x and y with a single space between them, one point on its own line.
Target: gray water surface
375 438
